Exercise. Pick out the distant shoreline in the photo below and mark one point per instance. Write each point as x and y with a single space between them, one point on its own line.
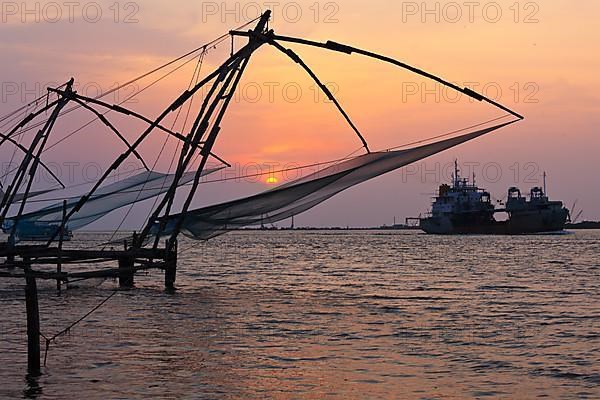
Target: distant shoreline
585 225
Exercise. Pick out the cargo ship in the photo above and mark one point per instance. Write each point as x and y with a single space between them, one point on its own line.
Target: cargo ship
464 208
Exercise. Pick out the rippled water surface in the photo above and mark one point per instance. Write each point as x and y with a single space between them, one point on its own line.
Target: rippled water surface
352 315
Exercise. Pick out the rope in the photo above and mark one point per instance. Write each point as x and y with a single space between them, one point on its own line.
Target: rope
124 101
449 133
319 164
12 158
209 44
20 109
349 157
213 43
106 112
195 77
67 329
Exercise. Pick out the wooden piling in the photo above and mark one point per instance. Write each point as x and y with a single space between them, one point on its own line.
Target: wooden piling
170 265
10 260
60 245
126 271
33 324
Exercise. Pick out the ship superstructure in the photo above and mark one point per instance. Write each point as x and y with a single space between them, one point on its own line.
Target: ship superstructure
464 208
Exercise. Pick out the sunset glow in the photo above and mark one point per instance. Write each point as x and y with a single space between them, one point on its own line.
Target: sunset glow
299 199
525 59
272 180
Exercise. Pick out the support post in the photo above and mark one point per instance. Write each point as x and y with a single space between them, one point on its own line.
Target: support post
170 264
10 260
126 272
60 246
33 324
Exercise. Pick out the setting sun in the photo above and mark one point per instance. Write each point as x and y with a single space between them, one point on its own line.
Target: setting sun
272 180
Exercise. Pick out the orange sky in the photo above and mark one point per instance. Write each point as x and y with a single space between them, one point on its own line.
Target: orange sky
541 59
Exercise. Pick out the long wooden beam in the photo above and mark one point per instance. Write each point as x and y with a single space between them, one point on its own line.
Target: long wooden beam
343 48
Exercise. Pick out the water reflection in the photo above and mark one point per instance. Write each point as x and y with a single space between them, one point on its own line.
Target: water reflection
329 315
33 390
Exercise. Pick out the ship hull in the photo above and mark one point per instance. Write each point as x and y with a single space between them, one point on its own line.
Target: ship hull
518 224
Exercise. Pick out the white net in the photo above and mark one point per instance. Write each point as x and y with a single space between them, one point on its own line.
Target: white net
300 195
111 197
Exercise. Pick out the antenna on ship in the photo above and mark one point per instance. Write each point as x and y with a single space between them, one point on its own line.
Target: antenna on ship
544 175
456 178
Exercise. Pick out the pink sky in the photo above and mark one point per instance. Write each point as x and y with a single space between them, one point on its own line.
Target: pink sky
541 59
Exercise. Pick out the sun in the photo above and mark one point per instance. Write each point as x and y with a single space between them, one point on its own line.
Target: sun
272 180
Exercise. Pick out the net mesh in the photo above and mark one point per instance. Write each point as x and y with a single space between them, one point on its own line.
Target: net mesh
301 195
111 197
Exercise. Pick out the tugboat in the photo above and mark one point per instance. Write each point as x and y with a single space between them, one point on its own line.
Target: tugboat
463 208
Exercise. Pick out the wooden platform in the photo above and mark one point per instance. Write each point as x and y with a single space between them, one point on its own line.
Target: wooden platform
129 261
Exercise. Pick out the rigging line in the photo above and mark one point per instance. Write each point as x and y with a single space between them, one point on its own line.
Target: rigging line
349 157
194 81
449 133
195 77
19 119
28 105
336 161
67 329
203 47
4 177
8 124
117 175
209 44
21 110
333 162
106 112
102 280
122 102
353 153
111 127
295 58
342 48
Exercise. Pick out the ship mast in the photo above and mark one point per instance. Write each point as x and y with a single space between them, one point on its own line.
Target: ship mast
544 175
456 171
